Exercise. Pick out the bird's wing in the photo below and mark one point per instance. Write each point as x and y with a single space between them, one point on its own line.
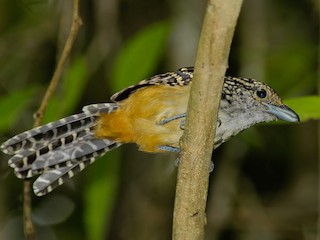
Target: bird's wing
182 77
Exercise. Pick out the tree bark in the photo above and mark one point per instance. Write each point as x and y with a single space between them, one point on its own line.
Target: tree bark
220 19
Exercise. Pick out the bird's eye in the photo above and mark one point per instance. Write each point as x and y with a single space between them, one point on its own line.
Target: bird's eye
261 93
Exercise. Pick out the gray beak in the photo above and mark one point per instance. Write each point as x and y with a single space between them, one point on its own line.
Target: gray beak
282 112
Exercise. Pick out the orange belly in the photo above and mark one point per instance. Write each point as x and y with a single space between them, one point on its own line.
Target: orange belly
137 119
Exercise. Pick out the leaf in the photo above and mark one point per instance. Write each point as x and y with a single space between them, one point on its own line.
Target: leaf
308 107
300 77
140 55
12 105
100 195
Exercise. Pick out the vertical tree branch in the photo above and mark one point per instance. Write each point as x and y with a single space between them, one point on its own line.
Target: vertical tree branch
318 90
76 23
197 142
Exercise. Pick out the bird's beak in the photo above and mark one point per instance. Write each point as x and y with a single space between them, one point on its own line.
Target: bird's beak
282 112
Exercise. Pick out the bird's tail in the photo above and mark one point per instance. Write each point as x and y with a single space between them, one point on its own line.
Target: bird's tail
58 150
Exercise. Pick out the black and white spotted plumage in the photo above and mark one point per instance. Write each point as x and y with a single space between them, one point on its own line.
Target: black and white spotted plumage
59 149
149 115
182 77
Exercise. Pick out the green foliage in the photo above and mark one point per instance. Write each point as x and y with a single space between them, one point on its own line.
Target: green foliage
12 105
308 107
72 85
140 55
285 69
100 194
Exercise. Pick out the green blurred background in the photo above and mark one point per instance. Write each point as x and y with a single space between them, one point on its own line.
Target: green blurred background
265 184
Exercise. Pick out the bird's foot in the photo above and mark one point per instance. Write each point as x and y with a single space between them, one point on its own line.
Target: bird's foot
166 120
170 149
177 150
182 123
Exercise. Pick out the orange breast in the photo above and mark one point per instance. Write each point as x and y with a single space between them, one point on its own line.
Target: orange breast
137 119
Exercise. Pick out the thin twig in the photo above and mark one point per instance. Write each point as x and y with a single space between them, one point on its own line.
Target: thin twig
27 220
76 23
189 218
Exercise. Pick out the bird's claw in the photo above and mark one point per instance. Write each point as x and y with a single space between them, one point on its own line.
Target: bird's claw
170 149
182 123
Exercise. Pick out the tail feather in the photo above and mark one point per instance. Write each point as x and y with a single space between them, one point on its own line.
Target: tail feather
53 178
26 157
59 148
72 154
67 156
43 135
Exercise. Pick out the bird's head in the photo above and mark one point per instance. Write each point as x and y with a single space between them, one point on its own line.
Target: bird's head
253 101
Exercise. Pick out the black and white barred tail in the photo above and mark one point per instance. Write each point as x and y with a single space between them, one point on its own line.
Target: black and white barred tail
58 150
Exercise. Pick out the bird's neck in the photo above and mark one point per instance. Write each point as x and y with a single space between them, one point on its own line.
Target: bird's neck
232 119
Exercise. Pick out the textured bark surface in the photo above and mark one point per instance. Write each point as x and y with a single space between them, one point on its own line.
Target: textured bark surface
197 142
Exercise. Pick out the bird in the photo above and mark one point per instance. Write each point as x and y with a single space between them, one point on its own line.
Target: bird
150 114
